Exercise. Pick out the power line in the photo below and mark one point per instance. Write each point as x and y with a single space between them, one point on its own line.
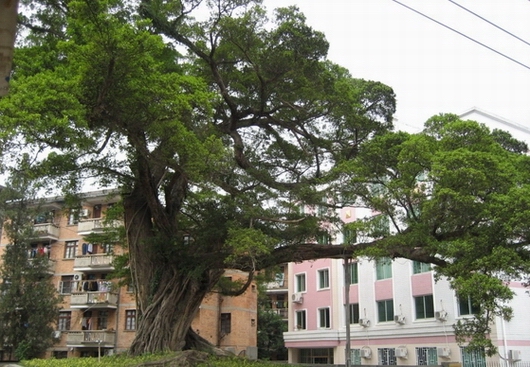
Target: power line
487 21
463 35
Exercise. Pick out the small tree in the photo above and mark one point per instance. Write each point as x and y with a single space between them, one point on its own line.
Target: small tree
28 301
271 327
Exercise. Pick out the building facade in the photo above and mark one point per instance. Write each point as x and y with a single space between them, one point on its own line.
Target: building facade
398 315
98 317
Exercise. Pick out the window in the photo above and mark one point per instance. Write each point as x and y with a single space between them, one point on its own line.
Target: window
424 307
316 356
300 282
355 357
387 356
300 320
226 323
385 310
323 279
426 356
381 226
354 313
354 272
349 235
107 248
130 320
467 307
70 249
324 318
383 268
64 320
67 284
419 267
73 217
324 239
103 319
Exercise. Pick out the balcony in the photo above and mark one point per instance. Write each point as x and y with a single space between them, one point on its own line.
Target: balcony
95 225
46 231
92 338
94 300
101 262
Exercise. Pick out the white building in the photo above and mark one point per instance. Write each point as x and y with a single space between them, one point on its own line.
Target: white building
398 313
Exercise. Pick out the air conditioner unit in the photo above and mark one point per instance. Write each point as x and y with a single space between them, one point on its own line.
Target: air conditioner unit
297 297
444 352
441 315
57 334
402 352
366 352
364 322
78 276
514 355
399 319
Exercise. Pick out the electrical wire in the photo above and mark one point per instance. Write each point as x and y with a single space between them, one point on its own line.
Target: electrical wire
489 22
463 35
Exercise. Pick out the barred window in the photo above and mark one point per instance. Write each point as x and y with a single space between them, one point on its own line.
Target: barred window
130 320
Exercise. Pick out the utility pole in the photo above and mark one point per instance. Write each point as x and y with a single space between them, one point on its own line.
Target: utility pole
347 282
8 29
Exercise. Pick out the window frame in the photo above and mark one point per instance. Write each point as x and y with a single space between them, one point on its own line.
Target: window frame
324 318
225 323
299 284
130 320
424 306
300 320
102 320
419 267
424 355
383 268
354 272
70 249
323 279
64 321
387 356
355 314
472 309
388 310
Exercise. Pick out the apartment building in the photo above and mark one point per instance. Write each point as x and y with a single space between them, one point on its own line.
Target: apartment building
97 317
398 313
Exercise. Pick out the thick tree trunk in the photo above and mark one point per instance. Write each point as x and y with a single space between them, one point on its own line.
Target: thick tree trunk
168 293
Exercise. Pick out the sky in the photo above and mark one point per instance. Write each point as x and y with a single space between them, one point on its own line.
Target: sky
432 69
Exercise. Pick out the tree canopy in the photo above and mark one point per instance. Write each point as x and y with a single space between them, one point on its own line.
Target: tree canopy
216 122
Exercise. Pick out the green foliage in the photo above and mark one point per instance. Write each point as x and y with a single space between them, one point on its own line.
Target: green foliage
271 327
128 361
456 196
28 301
107 361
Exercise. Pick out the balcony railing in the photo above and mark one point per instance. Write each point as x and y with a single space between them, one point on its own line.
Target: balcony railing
94 300
95 225
46 231
97 261
91 338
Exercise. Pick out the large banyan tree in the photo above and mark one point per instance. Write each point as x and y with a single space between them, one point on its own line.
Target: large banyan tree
216 122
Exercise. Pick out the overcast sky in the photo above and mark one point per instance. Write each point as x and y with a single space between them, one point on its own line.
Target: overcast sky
431 68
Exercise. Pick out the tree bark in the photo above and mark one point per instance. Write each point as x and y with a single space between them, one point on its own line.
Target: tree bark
168 296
